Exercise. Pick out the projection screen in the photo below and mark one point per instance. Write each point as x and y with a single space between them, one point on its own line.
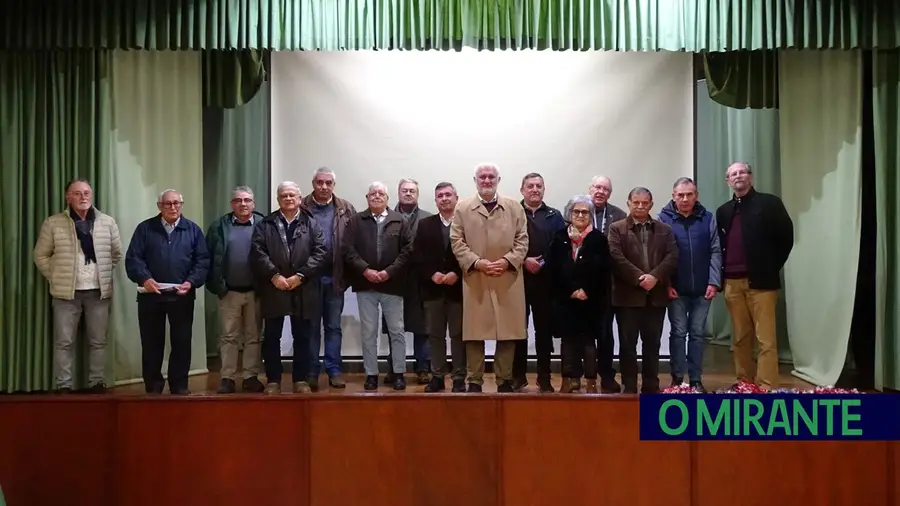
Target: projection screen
433 116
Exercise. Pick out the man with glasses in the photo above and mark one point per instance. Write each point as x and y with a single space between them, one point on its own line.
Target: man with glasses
230 279
757 236
605 214
696 282
169 260
77 251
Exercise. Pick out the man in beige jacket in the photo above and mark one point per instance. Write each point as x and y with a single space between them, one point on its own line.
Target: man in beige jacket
489 237
77 251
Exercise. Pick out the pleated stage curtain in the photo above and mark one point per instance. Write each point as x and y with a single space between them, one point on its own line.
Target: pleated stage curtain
821 185
621 25
886 105
55 108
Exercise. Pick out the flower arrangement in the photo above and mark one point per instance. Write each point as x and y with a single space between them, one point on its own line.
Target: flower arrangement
745 387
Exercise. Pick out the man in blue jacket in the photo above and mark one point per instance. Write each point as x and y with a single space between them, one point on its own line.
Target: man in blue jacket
696 282
169 261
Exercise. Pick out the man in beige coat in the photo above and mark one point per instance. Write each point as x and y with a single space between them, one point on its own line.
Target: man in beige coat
77 251
489 237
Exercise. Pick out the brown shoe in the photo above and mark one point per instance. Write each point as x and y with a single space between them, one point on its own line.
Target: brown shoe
302 387
590 386
273 388
569 385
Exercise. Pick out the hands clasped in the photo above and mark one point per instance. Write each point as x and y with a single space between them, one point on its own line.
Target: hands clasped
494 269
287 284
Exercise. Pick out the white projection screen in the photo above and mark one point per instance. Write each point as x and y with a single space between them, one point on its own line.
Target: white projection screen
433 116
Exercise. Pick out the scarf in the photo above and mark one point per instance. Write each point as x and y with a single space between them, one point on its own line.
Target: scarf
577 238
84 231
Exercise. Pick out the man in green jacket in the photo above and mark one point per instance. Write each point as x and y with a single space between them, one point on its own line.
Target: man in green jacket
228 241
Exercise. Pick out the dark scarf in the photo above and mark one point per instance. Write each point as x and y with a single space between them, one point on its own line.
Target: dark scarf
84 230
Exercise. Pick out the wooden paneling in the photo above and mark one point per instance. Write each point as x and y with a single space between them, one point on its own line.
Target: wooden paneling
823 473
581 451
893 473
434 450
55 451
212 451
381 449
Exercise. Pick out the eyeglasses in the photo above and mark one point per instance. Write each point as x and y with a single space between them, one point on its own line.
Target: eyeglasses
580 212
241 201
173 204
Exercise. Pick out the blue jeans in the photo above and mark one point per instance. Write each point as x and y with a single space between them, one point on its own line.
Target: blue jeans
332 308
687 320
369 319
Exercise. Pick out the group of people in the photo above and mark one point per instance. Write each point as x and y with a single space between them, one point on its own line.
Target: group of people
474 271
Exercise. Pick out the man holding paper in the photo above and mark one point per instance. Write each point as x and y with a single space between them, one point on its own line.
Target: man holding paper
169 260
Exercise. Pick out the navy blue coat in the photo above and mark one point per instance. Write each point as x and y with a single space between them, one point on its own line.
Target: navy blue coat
699 252
176 258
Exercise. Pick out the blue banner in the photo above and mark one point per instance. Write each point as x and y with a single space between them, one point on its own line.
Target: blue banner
800 417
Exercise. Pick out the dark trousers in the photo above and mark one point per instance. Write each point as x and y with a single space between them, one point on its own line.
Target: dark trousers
444 317
645 323
538 305
271 346
153 310
606 346
579 357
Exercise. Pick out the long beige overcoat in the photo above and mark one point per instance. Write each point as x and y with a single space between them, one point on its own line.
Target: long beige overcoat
493 307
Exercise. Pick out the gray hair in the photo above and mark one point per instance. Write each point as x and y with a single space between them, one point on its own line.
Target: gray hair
284 185
745 165
597 179
578 199
445 184
684 180
377 185
407 180
169 190
491 166
241 189
326 171
640 190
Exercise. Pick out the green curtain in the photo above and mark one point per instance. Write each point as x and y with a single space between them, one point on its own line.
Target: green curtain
157 144
236 151
742 79
54 108
622 25
886 98
726 135
232 78
821 151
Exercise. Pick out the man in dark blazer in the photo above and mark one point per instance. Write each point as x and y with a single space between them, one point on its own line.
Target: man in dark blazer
286 256
169 260
644 256
376 250
605 214
441 290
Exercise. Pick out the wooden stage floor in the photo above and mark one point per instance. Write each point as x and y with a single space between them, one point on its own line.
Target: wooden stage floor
345 448
208 384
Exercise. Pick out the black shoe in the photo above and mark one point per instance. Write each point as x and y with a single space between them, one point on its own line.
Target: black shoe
698 386
545 386
179 391
313 382
458 386
518 384
436 384
400 383
226 386
98 388
253 385
505 387
423 377
371 383
677 381
611 386
390 378
64 391
474 388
